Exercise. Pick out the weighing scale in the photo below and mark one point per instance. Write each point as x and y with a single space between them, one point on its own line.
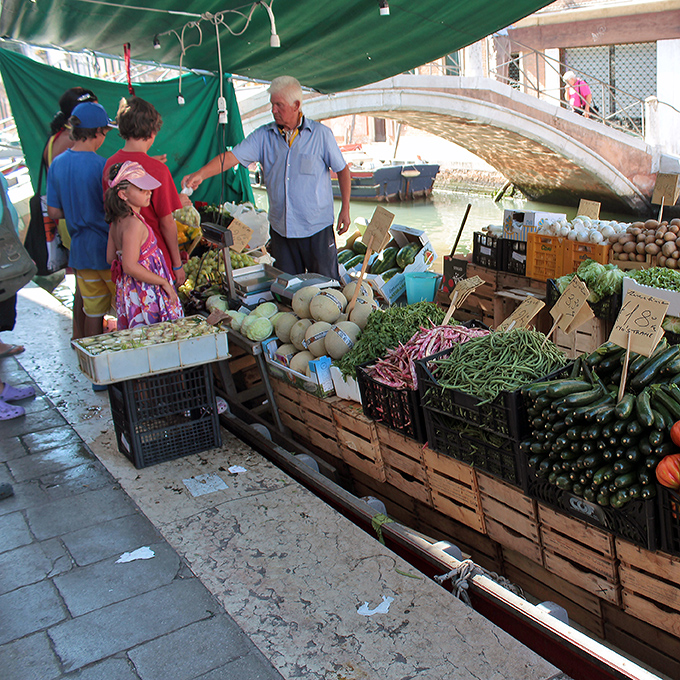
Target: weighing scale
286 285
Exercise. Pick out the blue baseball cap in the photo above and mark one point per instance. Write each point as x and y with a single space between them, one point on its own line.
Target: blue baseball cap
92 115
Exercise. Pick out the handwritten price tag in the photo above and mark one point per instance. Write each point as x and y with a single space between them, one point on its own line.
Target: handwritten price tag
459 294
589 209
521 317
378 228
241 234
570 303
640 318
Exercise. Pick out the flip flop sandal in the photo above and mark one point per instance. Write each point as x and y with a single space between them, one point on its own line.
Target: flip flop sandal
9 411
17 393
12 351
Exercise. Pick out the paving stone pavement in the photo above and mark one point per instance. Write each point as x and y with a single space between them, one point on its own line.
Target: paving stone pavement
68 608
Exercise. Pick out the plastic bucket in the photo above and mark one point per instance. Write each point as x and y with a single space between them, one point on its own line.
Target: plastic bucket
420 286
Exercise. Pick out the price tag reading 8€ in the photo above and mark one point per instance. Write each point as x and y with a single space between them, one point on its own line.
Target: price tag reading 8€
640 317
521 317
570 303
241 234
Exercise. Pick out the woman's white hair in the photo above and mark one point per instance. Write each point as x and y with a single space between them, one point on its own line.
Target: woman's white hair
289 87
569 75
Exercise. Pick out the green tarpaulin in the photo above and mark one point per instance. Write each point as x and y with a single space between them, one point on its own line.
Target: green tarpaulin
330 45
190 135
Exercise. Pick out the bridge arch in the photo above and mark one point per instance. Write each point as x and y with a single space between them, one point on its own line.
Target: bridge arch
546 151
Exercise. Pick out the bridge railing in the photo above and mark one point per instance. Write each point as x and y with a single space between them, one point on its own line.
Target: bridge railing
540 75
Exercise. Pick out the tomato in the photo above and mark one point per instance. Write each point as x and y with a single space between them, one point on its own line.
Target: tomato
668 471
675 433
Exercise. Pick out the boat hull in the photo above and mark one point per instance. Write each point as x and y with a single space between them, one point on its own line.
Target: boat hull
390 183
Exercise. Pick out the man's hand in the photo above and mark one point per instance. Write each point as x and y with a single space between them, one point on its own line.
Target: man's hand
193 181
185 200
162 158
343 221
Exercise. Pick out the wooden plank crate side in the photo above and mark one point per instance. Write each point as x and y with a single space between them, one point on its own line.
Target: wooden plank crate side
650 585
645 642
582 607
586 339
454 489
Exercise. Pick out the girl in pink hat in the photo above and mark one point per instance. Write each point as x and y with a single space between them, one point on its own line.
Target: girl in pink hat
144 290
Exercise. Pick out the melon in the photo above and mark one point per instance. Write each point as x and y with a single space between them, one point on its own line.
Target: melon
300 362
285 353
362 310
297 332
283 324
301 300
341 338
327 306
314 338
365 292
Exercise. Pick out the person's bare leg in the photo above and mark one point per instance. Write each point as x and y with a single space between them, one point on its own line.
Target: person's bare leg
78 314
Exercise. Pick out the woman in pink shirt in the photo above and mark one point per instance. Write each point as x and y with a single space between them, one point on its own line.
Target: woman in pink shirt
579 94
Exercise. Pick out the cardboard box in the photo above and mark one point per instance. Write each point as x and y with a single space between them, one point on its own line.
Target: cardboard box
319 384
345 388
671 296
390 291
517 224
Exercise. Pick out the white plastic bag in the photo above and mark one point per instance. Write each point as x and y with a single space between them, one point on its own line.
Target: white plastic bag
256 219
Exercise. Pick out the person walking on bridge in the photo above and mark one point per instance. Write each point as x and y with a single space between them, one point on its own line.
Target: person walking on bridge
579 95
297 155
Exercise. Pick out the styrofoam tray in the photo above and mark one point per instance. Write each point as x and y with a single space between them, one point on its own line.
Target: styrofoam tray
670 296
125 364
345 388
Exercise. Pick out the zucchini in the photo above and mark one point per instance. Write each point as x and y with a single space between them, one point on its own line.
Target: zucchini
592 432
662 411
625 480
659 421
643 409
542 402
625 407
623 466
602 498
611 362
552 477
655 438
633 455
646 374
604 474
588 448
601 353
645 447
590 494
646 477
634 429
563 388
563 482
618 500
535 459
582 410
619 426
536 448
648 492
593 460
573 433
605 415
543 468
652 461
627 440
665 449
634 491
607 455
579 399
578 488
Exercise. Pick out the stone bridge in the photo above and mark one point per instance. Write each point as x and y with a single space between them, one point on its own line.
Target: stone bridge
549 153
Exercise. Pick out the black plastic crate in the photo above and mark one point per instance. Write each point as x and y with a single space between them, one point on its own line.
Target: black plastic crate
486 250
497 455
669 520
636 521
514 256
606 309
398 409
163 417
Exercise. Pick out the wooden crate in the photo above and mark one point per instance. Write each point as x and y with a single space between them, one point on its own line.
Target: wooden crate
643 641
580 553
307 416
454 489
507 300
479 304
403 461
510 516
649 583
357 438
507 280
585 339
583 607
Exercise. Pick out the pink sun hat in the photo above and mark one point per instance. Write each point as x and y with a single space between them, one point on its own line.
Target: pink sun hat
135 174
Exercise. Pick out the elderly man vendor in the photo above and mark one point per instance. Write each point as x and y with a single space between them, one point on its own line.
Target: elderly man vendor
297 155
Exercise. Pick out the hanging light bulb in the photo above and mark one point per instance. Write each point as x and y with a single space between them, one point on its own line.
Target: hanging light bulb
274 40
384 8
156 42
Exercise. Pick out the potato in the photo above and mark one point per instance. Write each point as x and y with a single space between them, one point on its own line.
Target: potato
652 249
659 242
630 247
640 248
650 239
641 237
614 238
623 256
626 238
668 248
661 231
640 258
675 221
661 260
650 224
617 248
674 228
669 236
675 255
670 262
636 231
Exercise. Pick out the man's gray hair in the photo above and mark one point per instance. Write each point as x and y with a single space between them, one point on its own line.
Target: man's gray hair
289 87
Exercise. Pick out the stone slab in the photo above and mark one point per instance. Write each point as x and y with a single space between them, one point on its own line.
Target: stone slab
25 565
107 631
12 447
44 463
26 495
30 658
14 531
85 589
109 669
76 480
33 423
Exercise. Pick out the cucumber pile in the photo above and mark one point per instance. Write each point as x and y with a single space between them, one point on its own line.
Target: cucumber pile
586 443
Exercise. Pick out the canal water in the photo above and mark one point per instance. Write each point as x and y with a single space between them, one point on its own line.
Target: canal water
441 215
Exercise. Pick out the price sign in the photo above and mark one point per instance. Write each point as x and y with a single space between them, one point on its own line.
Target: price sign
241 234
378 228
589 209
666 189
521 317
570 304
640 319
460 292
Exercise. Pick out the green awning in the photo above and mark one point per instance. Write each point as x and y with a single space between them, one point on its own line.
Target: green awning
330 45
190 135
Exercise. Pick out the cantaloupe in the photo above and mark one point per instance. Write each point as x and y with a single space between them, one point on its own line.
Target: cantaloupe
327 306
365 292
341 338
314 338
300 362
362 310
283 324
285 353
297 332
301 300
